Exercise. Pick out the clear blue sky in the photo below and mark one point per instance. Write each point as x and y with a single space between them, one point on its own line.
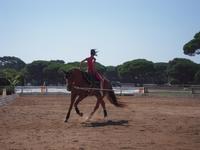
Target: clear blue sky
121 30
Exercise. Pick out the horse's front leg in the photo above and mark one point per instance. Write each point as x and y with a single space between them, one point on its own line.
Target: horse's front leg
80 98
73 97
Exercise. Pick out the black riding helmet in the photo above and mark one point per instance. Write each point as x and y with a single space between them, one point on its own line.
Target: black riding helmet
93 52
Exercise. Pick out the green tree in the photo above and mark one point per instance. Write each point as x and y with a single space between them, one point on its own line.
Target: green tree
197 77
13 76
72 65
100 68
11 62
57 61
34 72
192 47
181 71
160 74
138 71
112 73
69 66
3 82
52 73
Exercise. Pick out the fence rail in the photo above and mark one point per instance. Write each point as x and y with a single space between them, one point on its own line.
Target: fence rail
120 90
123 90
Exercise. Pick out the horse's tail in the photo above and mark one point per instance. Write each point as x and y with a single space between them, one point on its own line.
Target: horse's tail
113 99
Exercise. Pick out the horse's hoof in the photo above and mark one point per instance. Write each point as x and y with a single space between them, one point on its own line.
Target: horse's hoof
81 114
65 121
88 119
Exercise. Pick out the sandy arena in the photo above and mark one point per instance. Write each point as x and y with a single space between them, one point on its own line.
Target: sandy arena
147 123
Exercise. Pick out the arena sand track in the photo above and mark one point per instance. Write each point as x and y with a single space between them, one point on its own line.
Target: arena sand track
147 123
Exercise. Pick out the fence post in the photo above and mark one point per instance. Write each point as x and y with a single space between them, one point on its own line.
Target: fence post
141 90
4 93
145 90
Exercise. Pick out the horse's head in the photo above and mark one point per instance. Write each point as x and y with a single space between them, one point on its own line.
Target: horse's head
68 79
72 78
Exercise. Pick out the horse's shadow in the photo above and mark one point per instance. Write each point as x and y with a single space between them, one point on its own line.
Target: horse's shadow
106 123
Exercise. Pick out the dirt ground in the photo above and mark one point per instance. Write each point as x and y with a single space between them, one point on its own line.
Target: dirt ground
147 123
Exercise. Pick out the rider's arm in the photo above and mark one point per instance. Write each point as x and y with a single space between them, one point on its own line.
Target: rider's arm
82 62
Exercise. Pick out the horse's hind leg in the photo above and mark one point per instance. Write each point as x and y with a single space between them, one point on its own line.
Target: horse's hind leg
100 99
73 97
104 107
95 108
80 98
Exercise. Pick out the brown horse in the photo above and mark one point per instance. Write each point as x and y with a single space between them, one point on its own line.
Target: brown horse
80 88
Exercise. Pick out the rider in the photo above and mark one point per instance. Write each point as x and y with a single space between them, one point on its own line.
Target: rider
91 67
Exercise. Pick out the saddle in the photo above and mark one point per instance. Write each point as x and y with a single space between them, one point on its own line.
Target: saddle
91 79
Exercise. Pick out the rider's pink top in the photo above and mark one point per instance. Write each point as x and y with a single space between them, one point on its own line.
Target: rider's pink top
91 68
90 64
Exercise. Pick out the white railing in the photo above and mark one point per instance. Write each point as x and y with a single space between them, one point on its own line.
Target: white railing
41 89
124 90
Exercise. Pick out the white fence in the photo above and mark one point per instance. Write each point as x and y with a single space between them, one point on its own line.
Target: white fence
41 89
124 90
